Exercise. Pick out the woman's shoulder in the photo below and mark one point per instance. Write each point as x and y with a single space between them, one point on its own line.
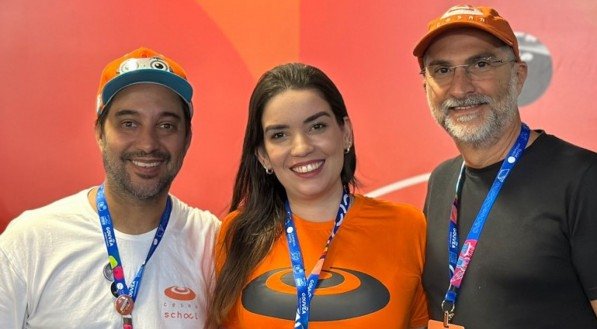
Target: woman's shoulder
367 202
381 208
229 219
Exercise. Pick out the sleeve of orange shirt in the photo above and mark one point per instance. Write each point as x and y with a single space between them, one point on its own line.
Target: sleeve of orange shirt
220 251
420 313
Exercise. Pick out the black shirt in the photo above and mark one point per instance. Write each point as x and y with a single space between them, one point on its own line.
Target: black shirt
535 265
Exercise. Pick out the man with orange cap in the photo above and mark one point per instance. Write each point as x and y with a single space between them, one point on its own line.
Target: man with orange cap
125 253
512 221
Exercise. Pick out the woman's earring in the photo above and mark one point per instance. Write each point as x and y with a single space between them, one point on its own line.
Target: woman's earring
269 171
347 150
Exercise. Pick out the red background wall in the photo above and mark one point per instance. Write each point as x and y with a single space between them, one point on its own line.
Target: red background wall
52 54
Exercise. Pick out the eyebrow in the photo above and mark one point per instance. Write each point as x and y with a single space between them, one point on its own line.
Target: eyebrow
317 116
307 120
127 112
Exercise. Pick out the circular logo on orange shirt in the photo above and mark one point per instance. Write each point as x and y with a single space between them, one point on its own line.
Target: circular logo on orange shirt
341 294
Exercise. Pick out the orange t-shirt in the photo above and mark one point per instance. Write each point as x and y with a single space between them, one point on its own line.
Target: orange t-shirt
371 277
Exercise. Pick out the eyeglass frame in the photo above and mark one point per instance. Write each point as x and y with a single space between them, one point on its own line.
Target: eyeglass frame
493 63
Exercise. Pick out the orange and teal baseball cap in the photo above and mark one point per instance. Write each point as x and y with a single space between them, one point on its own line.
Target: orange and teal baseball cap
143 65
482 18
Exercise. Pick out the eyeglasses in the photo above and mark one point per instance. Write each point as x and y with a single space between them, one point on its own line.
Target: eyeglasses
480 69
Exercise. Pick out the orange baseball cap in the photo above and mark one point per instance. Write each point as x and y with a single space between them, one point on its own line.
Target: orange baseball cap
482 18
143 65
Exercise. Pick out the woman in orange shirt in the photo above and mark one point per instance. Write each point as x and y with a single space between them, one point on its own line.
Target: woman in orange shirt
299 249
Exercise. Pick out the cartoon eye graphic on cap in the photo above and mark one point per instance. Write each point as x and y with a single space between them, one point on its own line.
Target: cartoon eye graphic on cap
133 64
159 64
128 65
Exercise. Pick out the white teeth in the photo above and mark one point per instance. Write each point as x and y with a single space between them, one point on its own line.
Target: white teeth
307 168
146 164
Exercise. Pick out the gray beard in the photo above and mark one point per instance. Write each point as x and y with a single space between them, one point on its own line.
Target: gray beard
503 113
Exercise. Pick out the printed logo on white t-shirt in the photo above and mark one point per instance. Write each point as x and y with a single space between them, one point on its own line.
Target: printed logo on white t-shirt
180 303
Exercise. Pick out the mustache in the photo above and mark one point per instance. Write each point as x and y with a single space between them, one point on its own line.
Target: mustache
471 100
159 155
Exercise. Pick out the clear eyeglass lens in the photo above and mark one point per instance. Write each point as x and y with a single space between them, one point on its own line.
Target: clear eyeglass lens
479 69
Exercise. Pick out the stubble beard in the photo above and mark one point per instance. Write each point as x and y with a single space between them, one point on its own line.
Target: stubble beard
122 183
502 113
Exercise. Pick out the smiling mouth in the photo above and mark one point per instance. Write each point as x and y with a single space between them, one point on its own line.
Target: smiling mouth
303 169
459 108
467 106
146 164
464 104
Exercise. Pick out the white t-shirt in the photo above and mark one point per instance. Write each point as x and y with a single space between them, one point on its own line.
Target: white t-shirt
52 261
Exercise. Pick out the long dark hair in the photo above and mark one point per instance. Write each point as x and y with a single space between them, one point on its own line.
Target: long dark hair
259 197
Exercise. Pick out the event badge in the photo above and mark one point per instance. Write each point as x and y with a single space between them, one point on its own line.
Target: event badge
433 324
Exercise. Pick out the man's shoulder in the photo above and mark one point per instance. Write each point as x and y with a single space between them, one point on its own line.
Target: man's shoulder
68 215
188 215
560 154
558 145
448 167
64 208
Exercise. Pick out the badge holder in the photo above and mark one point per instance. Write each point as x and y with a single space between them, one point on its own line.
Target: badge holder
432 324
448 309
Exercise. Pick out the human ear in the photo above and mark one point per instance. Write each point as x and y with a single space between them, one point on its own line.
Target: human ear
347 133
263 158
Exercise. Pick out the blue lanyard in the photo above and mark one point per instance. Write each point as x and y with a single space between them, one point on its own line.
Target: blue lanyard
306 287
112 247
459 264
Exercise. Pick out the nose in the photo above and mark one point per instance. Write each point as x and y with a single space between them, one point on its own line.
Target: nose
301 145
148 140
461 83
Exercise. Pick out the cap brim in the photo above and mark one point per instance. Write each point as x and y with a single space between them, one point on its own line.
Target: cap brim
175 83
